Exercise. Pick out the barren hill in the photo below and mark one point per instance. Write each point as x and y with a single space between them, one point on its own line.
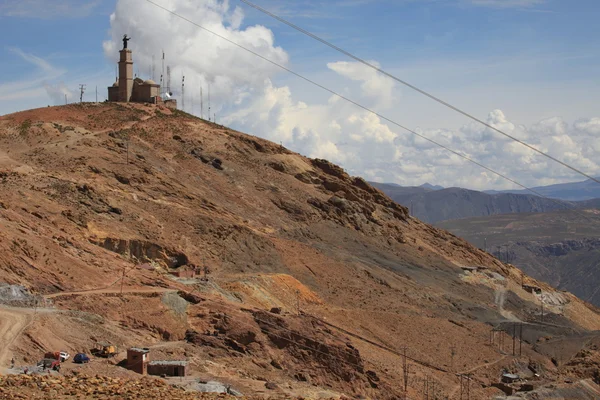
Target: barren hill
561 248
317 281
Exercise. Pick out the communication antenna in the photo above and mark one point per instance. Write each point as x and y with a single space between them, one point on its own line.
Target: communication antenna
81 91
162 75
201 103
183 92
169 80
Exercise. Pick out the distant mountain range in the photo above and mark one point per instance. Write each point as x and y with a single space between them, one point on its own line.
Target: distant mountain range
434 204
573 191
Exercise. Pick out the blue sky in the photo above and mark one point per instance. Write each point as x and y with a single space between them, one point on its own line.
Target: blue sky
535 60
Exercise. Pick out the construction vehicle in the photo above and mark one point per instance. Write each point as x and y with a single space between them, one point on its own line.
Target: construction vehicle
104 349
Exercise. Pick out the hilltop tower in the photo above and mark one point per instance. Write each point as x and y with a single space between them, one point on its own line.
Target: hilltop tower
125 76
129 89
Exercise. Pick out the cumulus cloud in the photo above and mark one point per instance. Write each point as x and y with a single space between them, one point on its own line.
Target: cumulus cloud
245 96
373 84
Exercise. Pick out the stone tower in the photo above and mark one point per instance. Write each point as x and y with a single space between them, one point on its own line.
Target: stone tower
125 75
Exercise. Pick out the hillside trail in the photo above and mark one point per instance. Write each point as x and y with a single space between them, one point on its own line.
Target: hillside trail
13 321
111 291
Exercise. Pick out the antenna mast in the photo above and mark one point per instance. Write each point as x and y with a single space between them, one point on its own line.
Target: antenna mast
183 92
162 75
169 80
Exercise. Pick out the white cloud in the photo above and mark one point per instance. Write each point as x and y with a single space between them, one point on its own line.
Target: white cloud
33 85
47 9
375 86
58 92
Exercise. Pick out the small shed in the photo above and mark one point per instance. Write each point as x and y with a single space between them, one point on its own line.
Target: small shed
168 368
138 359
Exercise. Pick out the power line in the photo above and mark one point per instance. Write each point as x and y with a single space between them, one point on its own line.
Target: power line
355 103
423 92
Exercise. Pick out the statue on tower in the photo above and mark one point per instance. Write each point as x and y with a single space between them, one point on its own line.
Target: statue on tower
125 40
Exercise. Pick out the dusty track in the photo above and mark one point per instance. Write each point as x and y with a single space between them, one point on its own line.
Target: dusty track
112 291
13 322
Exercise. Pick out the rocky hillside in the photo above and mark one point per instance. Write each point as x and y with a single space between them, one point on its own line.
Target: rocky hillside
561 248
312 282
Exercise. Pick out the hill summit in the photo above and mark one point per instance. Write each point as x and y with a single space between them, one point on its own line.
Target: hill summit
277 274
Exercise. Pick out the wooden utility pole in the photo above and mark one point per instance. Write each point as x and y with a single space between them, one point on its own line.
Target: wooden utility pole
514 337
122 280
520 339
81 91
405 372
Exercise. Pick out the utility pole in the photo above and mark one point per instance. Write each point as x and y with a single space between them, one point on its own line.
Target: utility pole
514 337
468 386
122 279
81 91
405 372
520 338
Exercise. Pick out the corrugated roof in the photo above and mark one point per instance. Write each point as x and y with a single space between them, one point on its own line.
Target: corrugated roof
182 363
140 349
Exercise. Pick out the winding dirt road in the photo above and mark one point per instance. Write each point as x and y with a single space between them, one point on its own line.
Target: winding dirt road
13 322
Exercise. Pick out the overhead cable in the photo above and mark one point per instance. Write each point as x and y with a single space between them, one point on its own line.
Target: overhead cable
562 204
423 92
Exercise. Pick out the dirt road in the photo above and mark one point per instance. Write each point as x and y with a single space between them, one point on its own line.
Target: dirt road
13 322
112 291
